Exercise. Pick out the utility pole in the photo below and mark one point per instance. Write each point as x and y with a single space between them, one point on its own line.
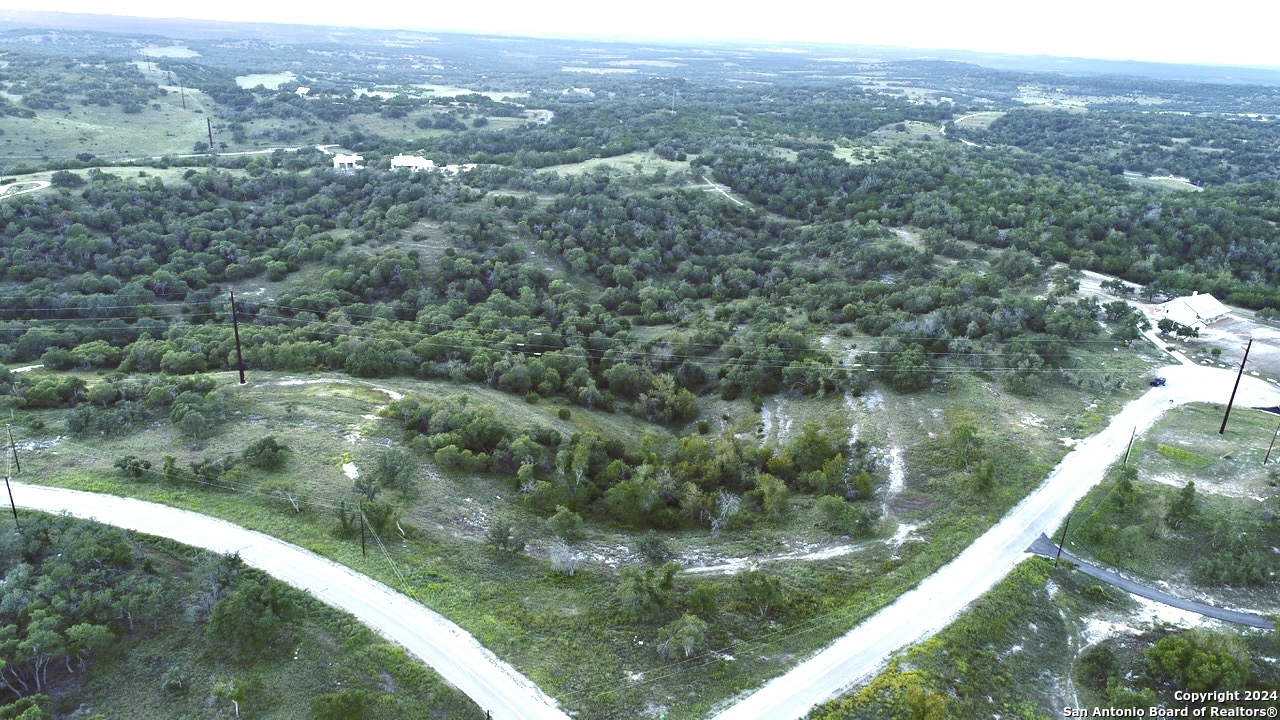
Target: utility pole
209 121
363 551
14 448
1272 445
1132 435
1239 375
1063 539
235 328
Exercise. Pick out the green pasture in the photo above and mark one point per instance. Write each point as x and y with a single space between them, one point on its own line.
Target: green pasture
161 128
978 120
1185 443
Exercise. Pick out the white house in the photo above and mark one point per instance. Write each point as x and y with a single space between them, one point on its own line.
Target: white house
411 162
348 162
1196 310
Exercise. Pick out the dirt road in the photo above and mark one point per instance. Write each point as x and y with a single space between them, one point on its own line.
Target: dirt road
450 650
8 190
850 660
854 658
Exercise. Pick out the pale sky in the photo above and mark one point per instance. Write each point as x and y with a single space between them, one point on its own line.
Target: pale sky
1224 32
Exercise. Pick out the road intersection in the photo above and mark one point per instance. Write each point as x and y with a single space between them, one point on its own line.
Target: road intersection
850 660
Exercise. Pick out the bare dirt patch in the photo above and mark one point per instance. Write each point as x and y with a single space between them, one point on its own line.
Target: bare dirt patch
171 51
1142 617
1164 182
270 81
908 502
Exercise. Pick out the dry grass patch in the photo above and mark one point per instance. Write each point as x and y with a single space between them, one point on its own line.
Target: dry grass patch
978 120
1167 182
270 81
454 91
109 132
636 162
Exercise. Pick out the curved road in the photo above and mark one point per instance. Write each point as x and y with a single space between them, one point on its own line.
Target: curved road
450 650
8 191
852 659
932 605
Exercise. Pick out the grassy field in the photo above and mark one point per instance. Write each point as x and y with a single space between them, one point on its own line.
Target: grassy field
172 51
1221 543
1162 183
162 128
166 127
856 154
636 162
1229 464
978 120
516 606
168 175
911 131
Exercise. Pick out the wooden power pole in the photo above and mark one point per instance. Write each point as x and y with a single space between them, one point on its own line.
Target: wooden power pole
13 461
1223 428
235 328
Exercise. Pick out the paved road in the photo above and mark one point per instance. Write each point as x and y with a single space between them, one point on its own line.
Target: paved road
1044 546
447 648
932 605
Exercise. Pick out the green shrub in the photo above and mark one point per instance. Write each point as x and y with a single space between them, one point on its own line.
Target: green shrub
838 516
566 523
266 453
350 704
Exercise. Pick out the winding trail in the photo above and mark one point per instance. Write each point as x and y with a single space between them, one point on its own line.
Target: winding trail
8 190
931 606
720 189
450 650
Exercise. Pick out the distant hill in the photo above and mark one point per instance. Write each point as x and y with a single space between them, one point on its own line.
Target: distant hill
209 29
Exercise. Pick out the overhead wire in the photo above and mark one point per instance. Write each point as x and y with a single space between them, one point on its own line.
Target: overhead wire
325 328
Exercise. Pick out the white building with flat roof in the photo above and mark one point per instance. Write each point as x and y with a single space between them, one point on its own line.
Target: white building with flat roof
411 162
348 162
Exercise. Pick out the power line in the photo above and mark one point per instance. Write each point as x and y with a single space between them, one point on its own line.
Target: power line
326 329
